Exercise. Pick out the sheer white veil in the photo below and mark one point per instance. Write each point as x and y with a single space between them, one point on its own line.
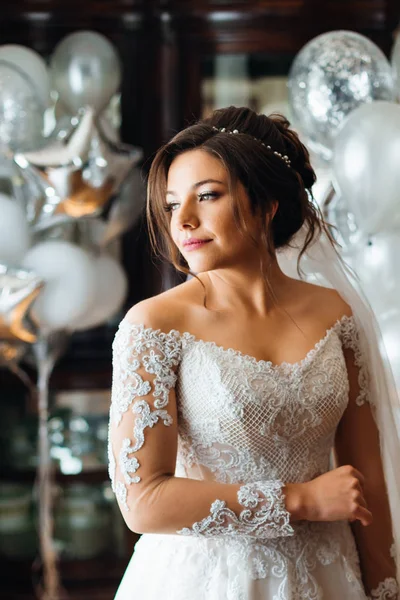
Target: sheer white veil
327 267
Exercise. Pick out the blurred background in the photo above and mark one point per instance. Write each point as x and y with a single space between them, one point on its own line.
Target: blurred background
88 92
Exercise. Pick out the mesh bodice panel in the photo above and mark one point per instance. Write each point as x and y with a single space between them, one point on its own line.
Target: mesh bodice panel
241 419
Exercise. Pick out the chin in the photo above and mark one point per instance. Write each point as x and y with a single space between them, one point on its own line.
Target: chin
201 266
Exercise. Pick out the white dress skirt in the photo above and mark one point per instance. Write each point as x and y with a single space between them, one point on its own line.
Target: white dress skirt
311 565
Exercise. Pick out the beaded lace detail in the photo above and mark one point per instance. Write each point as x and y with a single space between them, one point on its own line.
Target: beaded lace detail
351 339
249 422
269 518
386 590
157 353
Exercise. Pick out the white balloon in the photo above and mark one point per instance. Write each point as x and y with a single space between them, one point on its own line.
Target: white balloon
85 70
69 274
21 110
32 65
111 288
366 165
14 232
378 268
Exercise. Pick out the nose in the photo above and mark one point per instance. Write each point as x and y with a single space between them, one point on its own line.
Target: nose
187 218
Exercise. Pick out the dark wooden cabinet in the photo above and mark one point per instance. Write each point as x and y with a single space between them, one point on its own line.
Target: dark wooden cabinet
164 47
162 42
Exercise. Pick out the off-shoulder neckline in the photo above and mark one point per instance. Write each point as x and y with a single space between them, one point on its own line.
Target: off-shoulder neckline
189 337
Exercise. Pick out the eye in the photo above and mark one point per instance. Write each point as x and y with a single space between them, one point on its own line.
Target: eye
208 195
170 206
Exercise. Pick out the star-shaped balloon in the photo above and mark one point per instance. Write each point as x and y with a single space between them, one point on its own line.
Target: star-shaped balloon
11 181
77 176
126 208
18 290
72 144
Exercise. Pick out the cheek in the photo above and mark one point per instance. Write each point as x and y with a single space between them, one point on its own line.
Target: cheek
221 220
173 230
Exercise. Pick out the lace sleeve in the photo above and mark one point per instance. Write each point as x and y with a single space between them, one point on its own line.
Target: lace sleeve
358 444
143 447
143 375
351 341
386 590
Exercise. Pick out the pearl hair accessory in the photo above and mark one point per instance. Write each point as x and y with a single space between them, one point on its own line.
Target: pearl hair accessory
283 157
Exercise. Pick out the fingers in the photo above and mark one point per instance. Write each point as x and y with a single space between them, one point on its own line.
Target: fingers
362 502
363 515
355 473
357 490
360 511
359 476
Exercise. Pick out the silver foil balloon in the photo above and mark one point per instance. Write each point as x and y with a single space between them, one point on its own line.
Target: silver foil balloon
77 176
127 207
11 181
21 110
11 353
331 76
18 290
85 71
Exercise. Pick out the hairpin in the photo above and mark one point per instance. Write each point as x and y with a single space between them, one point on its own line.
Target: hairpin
283 157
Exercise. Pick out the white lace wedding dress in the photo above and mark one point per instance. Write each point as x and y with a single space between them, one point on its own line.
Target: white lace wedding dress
238 421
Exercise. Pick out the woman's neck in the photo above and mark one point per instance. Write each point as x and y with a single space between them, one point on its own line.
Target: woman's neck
245 289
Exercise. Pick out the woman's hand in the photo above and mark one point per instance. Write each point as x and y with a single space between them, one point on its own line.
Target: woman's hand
337 495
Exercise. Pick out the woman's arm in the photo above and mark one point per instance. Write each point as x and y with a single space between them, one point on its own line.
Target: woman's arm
143 450
357 444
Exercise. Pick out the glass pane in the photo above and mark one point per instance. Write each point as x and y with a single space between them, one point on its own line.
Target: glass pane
256 81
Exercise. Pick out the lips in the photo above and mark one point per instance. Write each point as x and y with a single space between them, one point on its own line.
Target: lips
194 242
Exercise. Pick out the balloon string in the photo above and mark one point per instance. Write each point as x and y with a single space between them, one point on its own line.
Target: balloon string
26 380
51 580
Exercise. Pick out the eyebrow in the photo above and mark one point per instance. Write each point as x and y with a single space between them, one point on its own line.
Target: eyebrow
197 185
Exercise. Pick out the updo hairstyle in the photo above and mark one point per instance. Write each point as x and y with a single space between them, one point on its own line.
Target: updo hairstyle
266 177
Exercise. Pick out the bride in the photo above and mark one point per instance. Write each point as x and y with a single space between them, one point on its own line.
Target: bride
243 441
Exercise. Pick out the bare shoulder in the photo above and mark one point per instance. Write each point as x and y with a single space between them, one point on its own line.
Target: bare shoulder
166 311
325 302
332 300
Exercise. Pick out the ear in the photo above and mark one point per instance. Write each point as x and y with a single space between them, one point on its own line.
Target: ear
273 210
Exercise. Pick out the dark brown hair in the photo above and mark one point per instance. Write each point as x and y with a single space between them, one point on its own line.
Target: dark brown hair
268 180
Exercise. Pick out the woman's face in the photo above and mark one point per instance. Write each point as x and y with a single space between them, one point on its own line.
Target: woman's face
201 208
